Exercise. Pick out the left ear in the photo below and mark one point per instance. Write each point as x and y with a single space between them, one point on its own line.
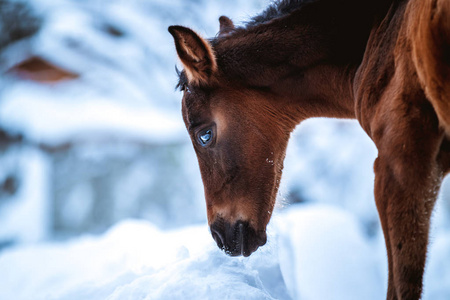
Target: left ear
195 53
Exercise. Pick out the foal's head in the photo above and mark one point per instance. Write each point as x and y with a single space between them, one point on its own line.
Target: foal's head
245 91
239 140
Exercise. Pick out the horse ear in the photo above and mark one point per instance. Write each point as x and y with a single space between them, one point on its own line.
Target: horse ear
195 53
226 25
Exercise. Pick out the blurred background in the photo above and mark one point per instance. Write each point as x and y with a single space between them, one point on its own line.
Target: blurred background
91 130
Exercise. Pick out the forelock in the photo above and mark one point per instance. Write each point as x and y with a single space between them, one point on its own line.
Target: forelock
182 79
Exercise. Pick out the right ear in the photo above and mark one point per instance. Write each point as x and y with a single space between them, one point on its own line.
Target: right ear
226 25
195 53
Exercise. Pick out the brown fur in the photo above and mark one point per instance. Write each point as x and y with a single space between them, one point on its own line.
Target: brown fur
226 25
385 63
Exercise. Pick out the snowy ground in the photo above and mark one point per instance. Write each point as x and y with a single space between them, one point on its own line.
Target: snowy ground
314 252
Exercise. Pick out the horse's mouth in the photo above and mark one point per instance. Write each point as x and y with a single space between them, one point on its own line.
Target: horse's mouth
237 239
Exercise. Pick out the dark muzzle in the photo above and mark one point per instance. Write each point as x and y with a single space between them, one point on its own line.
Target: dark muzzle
238 238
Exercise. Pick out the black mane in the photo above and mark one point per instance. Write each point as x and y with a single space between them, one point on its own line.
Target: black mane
275 10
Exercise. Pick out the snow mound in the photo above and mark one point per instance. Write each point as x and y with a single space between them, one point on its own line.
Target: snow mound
324 255
135 260
313 253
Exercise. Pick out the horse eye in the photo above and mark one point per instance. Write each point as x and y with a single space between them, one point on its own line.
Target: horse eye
205 137
185 89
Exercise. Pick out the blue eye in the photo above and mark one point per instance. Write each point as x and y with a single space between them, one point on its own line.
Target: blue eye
205 137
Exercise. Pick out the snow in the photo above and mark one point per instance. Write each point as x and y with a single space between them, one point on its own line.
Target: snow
29 109
437 279
134 260
314 252
331 162
31 203
325 255
126 79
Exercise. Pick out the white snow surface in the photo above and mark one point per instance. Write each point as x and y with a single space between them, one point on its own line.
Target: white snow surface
50 118
31 203
313 252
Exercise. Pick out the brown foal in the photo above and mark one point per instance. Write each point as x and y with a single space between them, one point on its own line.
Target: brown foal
385 63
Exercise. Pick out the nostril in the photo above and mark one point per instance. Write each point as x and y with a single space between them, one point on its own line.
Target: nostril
237 239
218 238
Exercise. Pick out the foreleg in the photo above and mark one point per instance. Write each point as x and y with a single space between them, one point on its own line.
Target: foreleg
408 177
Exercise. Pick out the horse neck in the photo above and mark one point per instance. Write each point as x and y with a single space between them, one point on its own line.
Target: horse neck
307 58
